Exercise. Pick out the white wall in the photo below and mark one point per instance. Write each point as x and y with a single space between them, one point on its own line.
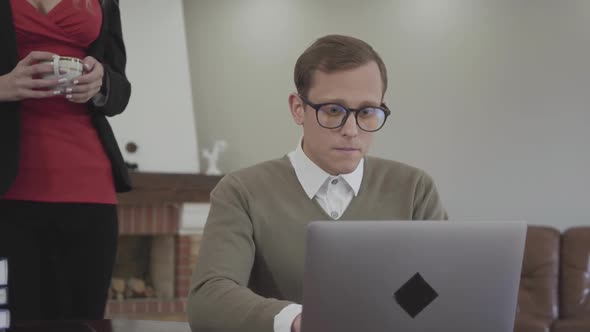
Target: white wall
491 97
160 115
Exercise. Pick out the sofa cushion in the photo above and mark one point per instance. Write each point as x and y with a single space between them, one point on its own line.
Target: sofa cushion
526 323
575 274
571 325
537 296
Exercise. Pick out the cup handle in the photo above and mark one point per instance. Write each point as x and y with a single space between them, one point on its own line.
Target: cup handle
56 65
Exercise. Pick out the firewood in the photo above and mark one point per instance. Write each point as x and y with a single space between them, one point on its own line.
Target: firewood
149 291
118 285
137 286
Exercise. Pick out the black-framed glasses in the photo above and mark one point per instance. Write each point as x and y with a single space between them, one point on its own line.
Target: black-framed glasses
333 115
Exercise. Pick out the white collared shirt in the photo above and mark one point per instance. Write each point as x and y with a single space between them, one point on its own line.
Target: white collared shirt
333 194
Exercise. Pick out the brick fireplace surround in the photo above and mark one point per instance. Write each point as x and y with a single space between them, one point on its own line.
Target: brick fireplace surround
172 205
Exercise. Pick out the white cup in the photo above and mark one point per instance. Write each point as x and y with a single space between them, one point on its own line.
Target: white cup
64 67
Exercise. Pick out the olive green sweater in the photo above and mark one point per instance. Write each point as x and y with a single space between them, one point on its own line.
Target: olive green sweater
250 265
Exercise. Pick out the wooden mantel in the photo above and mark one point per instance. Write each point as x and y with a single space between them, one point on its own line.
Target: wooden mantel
157 188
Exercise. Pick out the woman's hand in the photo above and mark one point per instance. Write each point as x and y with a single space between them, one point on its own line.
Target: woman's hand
88 84
23 81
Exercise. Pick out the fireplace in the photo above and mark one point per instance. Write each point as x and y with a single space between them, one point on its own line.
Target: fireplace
160 223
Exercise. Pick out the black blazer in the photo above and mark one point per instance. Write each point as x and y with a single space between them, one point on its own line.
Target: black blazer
110 51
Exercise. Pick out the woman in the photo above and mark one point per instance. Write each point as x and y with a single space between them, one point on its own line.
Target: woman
60 167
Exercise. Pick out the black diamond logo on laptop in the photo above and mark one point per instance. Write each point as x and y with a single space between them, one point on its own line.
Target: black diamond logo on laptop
415 295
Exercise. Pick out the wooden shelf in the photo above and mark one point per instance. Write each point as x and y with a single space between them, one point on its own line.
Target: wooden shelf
157 188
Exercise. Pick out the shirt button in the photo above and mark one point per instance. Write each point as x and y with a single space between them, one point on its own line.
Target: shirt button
335 181
334 214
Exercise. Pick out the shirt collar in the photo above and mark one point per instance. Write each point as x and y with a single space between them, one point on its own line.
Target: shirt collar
312 177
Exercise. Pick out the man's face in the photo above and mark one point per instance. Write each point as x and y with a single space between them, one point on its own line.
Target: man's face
338 151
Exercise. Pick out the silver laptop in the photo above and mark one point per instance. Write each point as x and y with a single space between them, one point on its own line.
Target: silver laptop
412 276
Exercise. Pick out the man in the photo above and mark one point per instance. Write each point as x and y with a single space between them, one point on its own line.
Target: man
250 268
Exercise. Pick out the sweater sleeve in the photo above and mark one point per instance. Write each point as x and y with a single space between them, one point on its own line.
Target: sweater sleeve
427 202
219 297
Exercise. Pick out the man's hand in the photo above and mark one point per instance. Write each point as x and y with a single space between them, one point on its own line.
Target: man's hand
296 327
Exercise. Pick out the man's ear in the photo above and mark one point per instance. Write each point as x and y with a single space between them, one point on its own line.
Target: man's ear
297 108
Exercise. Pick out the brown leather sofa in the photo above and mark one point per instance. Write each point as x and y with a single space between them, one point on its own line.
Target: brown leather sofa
538 293
574 285
554 290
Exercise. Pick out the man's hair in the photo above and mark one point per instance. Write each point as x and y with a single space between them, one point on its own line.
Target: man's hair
334 53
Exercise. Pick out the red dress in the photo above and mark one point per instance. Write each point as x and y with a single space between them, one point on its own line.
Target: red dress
61 157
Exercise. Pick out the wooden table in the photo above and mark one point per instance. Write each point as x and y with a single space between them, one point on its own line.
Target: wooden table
115 325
